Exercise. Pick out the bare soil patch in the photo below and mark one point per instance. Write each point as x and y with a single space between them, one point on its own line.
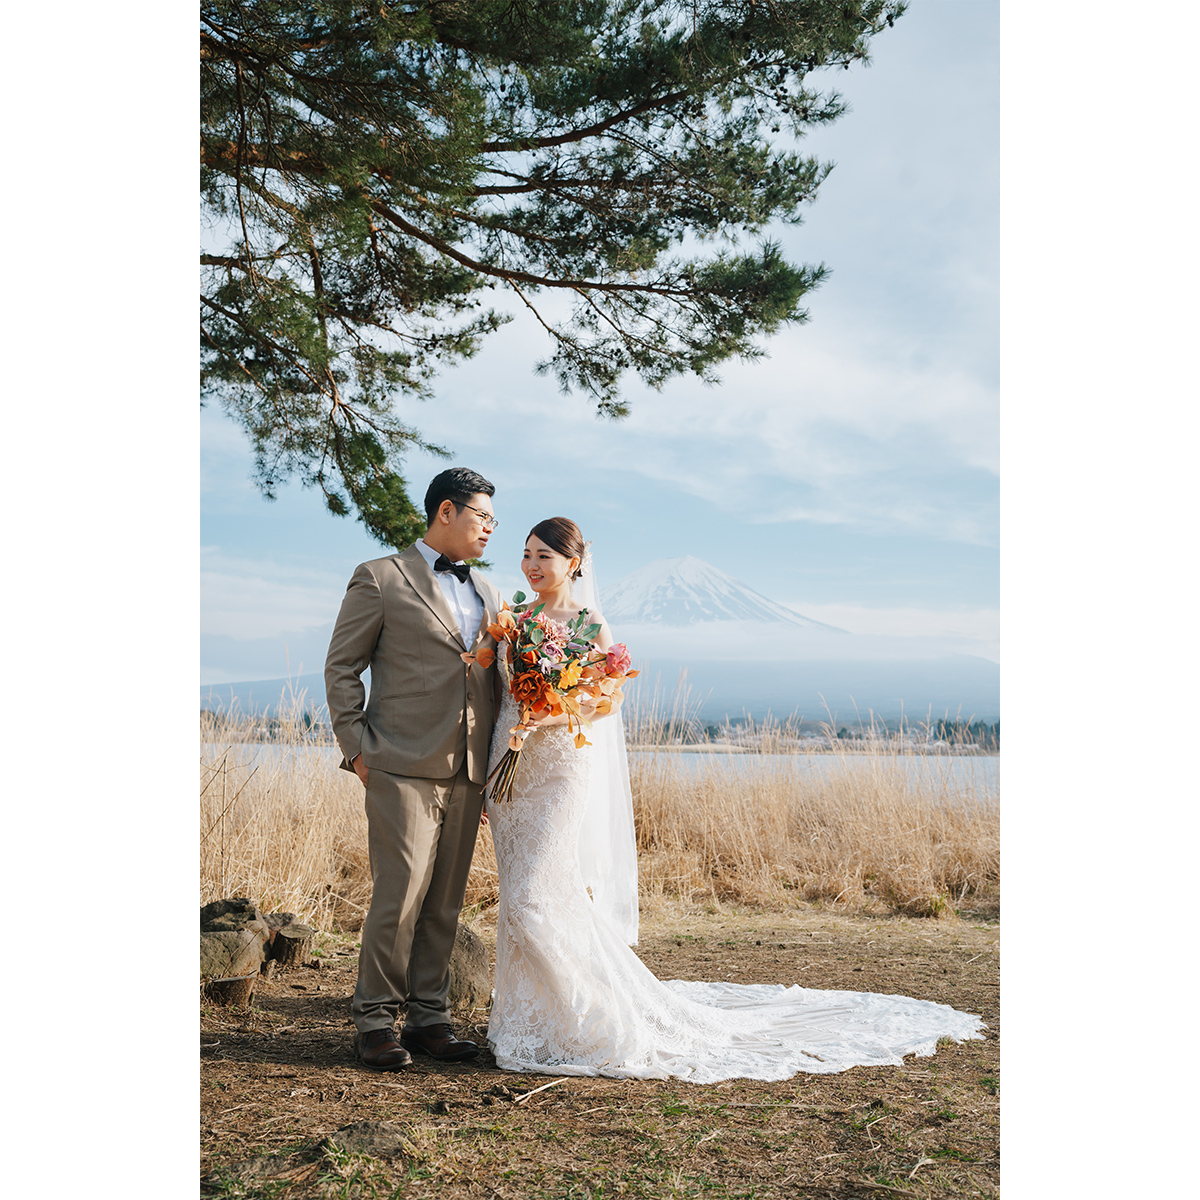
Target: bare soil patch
279 1078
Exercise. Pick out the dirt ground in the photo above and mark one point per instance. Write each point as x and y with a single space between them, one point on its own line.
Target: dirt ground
278 1078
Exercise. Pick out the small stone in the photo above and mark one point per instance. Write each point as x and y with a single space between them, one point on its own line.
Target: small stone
383 1139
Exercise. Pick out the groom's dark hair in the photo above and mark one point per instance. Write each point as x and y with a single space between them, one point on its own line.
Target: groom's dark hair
458 484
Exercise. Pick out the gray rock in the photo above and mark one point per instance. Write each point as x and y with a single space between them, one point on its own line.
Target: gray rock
470 971
227 916
230 953
382 1139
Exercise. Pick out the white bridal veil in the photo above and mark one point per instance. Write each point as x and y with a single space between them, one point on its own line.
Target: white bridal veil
607 842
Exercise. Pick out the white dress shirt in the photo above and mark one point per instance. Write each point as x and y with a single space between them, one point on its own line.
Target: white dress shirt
464 601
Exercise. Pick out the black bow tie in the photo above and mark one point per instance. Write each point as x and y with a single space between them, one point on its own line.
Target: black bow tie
460 569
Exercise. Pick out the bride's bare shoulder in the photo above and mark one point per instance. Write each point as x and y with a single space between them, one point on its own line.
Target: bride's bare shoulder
604 638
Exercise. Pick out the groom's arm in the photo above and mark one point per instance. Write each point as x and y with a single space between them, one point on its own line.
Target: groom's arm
355 635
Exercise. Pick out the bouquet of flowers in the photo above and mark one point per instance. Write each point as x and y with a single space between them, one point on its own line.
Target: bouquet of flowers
555 664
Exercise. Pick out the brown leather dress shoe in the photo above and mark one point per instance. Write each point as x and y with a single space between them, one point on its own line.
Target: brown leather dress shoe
438 1041
379 1050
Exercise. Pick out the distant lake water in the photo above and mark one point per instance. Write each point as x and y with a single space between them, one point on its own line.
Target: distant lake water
978 773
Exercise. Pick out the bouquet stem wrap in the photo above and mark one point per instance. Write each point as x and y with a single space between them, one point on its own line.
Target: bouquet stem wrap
504 773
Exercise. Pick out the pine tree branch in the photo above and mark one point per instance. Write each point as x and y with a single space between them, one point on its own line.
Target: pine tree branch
519 276
257 335
588 131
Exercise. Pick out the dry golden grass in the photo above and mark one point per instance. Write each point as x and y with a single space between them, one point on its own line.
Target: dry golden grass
281 824
881 829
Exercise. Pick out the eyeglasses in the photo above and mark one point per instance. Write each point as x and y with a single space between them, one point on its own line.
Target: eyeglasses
488 521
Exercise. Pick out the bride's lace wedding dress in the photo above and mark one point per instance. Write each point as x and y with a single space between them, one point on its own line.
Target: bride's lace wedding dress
571 997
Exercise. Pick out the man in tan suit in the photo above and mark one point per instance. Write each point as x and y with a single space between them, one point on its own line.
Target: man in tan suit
420 747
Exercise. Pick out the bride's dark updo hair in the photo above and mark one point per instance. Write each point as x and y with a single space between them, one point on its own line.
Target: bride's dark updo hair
562 535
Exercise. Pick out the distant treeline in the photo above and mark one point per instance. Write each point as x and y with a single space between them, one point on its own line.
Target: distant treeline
978 732
312 725
954 733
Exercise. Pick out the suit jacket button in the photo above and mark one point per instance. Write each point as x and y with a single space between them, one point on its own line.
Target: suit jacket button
470 695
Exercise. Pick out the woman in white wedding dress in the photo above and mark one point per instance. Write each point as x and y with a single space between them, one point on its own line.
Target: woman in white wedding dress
571 997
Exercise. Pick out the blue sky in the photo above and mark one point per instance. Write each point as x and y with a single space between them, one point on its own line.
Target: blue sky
852 473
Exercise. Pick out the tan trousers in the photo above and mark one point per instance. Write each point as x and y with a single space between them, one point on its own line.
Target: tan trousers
421 835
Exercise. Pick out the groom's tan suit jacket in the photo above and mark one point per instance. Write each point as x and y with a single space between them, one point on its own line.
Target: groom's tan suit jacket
427 709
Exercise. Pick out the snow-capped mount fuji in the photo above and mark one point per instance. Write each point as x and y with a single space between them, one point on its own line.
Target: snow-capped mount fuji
743 652
688 591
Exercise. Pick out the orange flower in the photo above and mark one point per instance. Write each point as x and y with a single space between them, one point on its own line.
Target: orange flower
570 674
504 624
484 657
531 690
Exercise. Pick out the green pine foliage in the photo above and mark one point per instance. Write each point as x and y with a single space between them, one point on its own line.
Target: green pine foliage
371 171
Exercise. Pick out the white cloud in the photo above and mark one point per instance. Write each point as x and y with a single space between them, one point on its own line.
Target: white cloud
837 426
969 631
248 599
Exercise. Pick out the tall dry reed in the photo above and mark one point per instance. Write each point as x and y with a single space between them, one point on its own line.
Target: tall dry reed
878 830
281 824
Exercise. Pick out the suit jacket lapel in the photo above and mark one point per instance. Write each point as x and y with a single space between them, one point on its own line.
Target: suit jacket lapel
490 608
416 570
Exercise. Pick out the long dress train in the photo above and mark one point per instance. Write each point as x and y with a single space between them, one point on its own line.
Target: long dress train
571 998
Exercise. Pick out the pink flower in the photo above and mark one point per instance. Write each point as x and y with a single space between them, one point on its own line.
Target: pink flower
555 631
618 660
